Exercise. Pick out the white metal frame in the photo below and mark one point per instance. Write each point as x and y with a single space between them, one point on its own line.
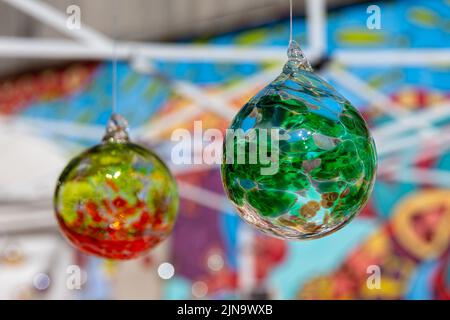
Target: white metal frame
90 44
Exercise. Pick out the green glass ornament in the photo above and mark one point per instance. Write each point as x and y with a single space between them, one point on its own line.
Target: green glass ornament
309 159
116 200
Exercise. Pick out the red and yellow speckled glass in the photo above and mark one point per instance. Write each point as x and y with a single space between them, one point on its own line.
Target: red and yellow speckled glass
116 200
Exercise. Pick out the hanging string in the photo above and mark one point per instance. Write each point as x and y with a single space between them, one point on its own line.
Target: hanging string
290 21
294 52
114 58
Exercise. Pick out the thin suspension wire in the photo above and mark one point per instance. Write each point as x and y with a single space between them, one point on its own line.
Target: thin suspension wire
290 21
114 57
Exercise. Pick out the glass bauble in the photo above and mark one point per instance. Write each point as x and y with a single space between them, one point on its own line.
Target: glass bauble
322 164
116 200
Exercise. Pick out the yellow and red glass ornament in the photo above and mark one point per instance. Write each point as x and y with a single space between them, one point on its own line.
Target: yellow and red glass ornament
118 199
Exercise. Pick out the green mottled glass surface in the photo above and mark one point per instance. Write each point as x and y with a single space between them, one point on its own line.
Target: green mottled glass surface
326 165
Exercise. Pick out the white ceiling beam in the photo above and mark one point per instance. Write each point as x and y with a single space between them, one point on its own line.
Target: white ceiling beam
316 24
393 57
11 47
58 20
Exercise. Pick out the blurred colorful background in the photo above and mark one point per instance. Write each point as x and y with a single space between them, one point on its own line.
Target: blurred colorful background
398 76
